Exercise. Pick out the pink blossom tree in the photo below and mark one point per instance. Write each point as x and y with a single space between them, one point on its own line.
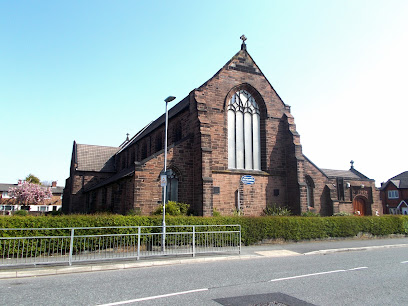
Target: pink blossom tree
29 193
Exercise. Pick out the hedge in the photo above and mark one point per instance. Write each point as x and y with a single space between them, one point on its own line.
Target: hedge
254 229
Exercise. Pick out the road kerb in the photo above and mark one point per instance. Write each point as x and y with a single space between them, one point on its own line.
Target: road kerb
328 251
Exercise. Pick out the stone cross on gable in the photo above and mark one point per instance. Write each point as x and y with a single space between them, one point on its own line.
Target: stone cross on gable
243 38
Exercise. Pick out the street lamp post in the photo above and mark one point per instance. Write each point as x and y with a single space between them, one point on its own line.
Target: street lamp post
164 176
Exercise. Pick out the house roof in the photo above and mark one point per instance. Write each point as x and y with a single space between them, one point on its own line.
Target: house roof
5 187
57 190
95 158
400 180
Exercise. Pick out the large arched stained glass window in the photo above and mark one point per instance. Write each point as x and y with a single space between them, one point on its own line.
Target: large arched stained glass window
244 135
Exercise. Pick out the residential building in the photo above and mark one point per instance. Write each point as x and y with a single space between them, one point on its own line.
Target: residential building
8 204
394 194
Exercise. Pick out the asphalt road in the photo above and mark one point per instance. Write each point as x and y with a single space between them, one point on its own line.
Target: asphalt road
371 276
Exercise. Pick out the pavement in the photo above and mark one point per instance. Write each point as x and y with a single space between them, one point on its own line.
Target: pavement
275 249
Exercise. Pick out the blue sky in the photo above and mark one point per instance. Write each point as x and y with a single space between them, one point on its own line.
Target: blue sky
92 71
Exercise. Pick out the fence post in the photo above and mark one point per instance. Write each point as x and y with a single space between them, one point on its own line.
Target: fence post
71 246
138 242
193 240
240 239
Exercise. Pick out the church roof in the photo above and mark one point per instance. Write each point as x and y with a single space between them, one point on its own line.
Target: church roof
347 174
180 106
121 174
351 174
95 158
340 173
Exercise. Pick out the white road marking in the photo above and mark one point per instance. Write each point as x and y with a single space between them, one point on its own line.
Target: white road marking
404 261
155 297
358 268
314 274
306 275
206 289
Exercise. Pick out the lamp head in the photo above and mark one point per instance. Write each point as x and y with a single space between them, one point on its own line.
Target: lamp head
169 99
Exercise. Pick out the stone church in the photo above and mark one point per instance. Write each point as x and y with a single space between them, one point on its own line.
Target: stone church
233 147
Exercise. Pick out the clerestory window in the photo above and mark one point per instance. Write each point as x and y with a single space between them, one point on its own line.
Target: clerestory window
244 133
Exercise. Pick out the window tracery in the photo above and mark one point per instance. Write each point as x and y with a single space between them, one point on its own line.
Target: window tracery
244 141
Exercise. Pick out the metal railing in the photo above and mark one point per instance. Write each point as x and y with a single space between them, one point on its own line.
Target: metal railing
34 246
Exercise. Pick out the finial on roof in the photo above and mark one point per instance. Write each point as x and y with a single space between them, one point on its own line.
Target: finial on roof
352 164
243 45
127 136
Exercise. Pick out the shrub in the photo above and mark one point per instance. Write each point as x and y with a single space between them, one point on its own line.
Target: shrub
310 214
134 212
274 210
253 229
173 209
216 213
342 214
20 213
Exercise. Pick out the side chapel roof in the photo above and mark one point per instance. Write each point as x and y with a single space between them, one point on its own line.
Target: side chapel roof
347 174
351 174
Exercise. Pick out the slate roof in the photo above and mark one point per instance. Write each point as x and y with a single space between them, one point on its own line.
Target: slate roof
95 158
57 190
5 187
400 180
348 174
121 174
180 106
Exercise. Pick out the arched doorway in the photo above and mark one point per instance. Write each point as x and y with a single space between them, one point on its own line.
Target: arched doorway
359 206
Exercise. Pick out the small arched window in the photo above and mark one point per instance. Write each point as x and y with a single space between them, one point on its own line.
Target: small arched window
244 136
310 187
144 150
159 142
177 131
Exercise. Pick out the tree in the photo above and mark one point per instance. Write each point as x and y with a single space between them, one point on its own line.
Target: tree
30 193
31 178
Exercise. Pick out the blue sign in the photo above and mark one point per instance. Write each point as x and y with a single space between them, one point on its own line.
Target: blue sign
248 179
163 180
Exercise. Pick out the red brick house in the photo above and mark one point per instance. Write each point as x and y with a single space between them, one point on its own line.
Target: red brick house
233 145
394 194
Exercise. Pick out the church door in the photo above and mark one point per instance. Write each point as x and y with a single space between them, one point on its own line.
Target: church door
359 206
